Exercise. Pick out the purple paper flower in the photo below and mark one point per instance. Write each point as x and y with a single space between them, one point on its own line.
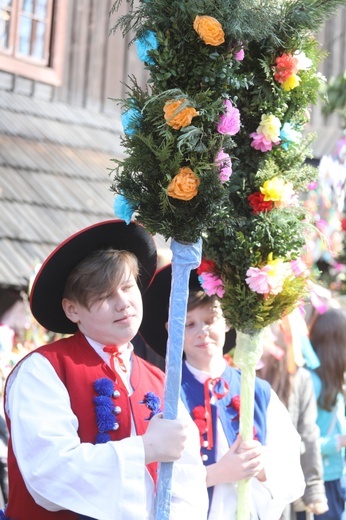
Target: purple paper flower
229 122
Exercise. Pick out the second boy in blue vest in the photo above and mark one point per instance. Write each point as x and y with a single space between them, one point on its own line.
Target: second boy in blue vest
210 391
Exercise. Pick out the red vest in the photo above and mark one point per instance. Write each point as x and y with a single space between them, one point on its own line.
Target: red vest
79 366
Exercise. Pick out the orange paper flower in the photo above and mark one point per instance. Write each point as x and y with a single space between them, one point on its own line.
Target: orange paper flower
209 30
184 185
178 118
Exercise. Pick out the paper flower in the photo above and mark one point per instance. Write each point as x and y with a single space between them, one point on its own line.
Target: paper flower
146 43
298 267
239 55
184 185
268 279
291 82
260 142
289 135
278 191
224 165
229 122
209 30
303 62
123 209
258 204
211 284
206 266
286 66
270 127
177 117
131 121
210 281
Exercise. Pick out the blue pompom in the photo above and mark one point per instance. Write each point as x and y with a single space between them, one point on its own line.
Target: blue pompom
104 386
153 402
102 438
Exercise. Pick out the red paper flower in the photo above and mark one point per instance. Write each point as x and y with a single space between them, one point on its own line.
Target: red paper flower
258 204
206 266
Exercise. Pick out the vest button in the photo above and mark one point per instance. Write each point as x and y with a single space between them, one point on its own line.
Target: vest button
204 457
116 426
116 394
117 410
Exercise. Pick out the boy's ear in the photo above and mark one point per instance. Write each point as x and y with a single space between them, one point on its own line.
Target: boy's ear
70 310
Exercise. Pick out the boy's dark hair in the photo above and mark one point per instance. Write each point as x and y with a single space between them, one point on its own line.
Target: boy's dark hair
198 299
99 273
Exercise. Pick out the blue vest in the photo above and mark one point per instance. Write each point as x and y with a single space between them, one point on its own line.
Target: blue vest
192 394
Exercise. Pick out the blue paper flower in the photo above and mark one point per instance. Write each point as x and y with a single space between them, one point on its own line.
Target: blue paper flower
288 135
131 121
146 43
123 209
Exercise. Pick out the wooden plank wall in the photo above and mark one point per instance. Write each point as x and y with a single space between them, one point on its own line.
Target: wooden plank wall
96 64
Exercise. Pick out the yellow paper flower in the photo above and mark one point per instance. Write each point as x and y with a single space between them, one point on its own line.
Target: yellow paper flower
209 30
178 118
291 83
273 189
270 127
184 185
277 272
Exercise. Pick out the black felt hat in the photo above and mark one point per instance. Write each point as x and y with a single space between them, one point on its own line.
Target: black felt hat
47 291
155 311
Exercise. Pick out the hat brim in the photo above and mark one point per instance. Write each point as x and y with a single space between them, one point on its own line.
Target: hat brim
155 311
47 290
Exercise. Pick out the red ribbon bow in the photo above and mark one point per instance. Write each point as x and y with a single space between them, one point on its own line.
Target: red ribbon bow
115 354
209 391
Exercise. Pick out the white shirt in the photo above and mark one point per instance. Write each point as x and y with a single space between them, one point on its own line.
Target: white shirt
60 472
285 480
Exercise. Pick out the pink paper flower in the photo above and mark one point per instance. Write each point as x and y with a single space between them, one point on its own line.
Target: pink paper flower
212 284
298 267
260 142
229 122
224 165
239 56
258 279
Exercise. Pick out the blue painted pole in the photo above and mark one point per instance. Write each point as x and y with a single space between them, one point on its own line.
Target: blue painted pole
185 257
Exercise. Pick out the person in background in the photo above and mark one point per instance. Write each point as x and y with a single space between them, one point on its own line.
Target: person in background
327 334
83 413
282 366
210 391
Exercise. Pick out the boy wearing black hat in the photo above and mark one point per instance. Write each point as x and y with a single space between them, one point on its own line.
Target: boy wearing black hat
84 412
211 393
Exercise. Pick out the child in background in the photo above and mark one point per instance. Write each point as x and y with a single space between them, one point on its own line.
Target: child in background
282 366
210 391
328 338
81 443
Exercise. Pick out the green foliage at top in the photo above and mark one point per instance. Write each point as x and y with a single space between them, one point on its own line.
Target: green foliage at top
184 67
